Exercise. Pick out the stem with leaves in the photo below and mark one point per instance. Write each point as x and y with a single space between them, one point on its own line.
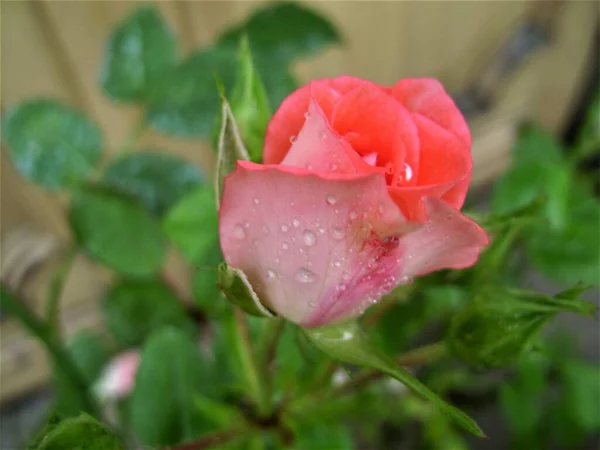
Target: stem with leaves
44 334
56 289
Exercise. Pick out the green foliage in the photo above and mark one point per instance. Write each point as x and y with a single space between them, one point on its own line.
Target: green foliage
51 144
158 180
139 51
78 433
249 103
89 353
205 284
133 309
325 435
499 326
348 343
117 231
192 225
171 375
284 31
186 101
234 285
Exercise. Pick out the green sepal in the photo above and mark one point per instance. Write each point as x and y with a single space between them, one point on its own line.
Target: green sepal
234 285
348 343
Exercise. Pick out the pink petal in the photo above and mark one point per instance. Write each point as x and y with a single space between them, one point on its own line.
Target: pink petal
305 241
318 147
118 377
449 240
427 97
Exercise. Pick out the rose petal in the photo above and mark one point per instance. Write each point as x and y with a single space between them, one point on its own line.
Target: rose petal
318 147
449 240
289 117
427 96
373 121
304 241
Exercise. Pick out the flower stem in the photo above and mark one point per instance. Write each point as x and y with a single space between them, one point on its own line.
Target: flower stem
58 354
55 292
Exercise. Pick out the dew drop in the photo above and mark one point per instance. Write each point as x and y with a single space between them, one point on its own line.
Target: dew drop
284 228
271 275
296 223
337 211
309 166
277 260
353 215
323 135
337 264
309 238
246 224
238 232
448 216
312 304
285 245
381 208
342 287
337 233
303 275
256 200
321 230
408 172
331 200
333 167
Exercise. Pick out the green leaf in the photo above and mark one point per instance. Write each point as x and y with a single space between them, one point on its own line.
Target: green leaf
581 393
117 231
535 144
79 433
192 225
234 285
284 31
138 53
570 254
277 79
172 373
51 144
186 101
89 354
134 309
348 343
158 180
323 436
250 104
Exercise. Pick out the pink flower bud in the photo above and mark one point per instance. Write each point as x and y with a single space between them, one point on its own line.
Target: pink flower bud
118 377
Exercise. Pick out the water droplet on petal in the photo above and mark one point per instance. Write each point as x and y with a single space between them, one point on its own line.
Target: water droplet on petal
256 200
309 238
271 275
284 228
238 232
408 172
337 264
296 223
303 275
381 208
285 245
333 167
323 135
337 233
312 304
448 216
246 224
309 166
331 200
353 215
321 230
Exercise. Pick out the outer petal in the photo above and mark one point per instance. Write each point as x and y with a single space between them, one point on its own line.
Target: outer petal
289 118
304 241
449 240
427 97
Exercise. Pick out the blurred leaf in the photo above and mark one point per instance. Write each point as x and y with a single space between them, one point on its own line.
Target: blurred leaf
249 103
348 343
588 139
117 231
571 254
171 375
234 285
277 79
158 180
186 101
284 31
89 354
134 309
51 144
581 393
499 326
78 433
535 144
138 52
323 436
192 224
521 400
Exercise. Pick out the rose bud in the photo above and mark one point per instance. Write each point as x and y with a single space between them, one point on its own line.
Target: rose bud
360 190
118 377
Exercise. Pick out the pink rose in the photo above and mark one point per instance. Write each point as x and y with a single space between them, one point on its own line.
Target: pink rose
360 191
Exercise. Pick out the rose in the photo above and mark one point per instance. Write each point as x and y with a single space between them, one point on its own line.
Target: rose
360 191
